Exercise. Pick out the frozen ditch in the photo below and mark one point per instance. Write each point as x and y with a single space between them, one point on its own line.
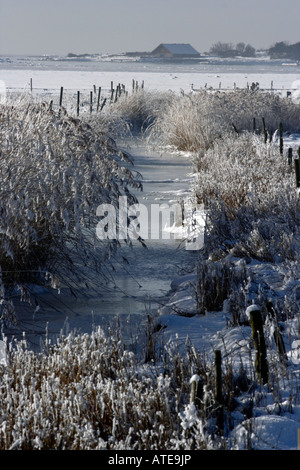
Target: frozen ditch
143 280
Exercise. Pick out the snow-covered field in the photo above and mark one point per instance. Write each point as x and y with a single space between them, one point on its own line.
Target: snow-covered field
81 80
273 425
75 76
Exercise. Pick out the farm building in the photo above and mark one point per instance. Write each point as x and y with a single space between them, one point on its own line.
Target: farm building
174 51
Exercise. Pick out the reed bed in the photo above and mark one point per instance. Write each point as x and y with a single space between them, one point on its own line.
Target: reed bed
192 122
89 392
55 171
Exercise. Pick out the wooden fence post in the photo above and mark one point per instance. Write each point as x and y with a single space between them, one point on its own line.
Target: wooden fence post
261 364
297 169
280 139
78 102
103 104
117 93
290 155
98 99
264 130
61 96
91 102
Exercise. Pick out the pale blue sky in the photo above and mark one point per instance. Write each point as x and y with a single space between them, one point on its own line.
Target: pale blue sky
112 26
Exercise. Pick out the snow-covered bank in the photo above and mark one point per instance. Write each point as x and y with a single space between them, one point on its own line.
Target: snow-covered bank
275 415
161 77
274 420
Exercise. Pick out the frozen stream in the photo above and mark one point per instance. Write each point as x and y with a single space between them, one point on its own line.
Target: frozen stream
144 282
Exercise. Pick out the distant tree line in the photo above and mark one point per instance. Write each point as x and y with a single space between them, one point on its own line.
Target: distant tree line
280 50
226 49
283 50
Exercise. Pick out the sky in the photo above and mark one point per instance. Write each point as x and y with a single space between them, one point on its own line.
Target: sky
116 26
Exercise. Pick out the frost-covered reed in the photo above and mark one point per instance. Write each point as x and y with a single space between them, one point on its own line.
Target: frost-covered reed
249 190
253 213
192 122
55 170
90 392
139 109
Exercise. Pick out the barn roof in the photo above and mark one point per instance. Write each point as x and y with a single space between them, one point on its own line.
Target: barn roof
180 49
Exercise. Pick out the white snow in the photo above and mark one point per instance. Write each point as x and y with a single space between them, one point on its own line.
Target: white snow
154 76
252 308
268 433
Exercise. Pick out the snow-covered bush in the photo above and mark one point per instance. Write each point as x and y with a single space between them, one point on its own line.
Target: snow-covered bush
249 191
55 170
246 109
252 213
187 122
192 122
138 109
244 171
